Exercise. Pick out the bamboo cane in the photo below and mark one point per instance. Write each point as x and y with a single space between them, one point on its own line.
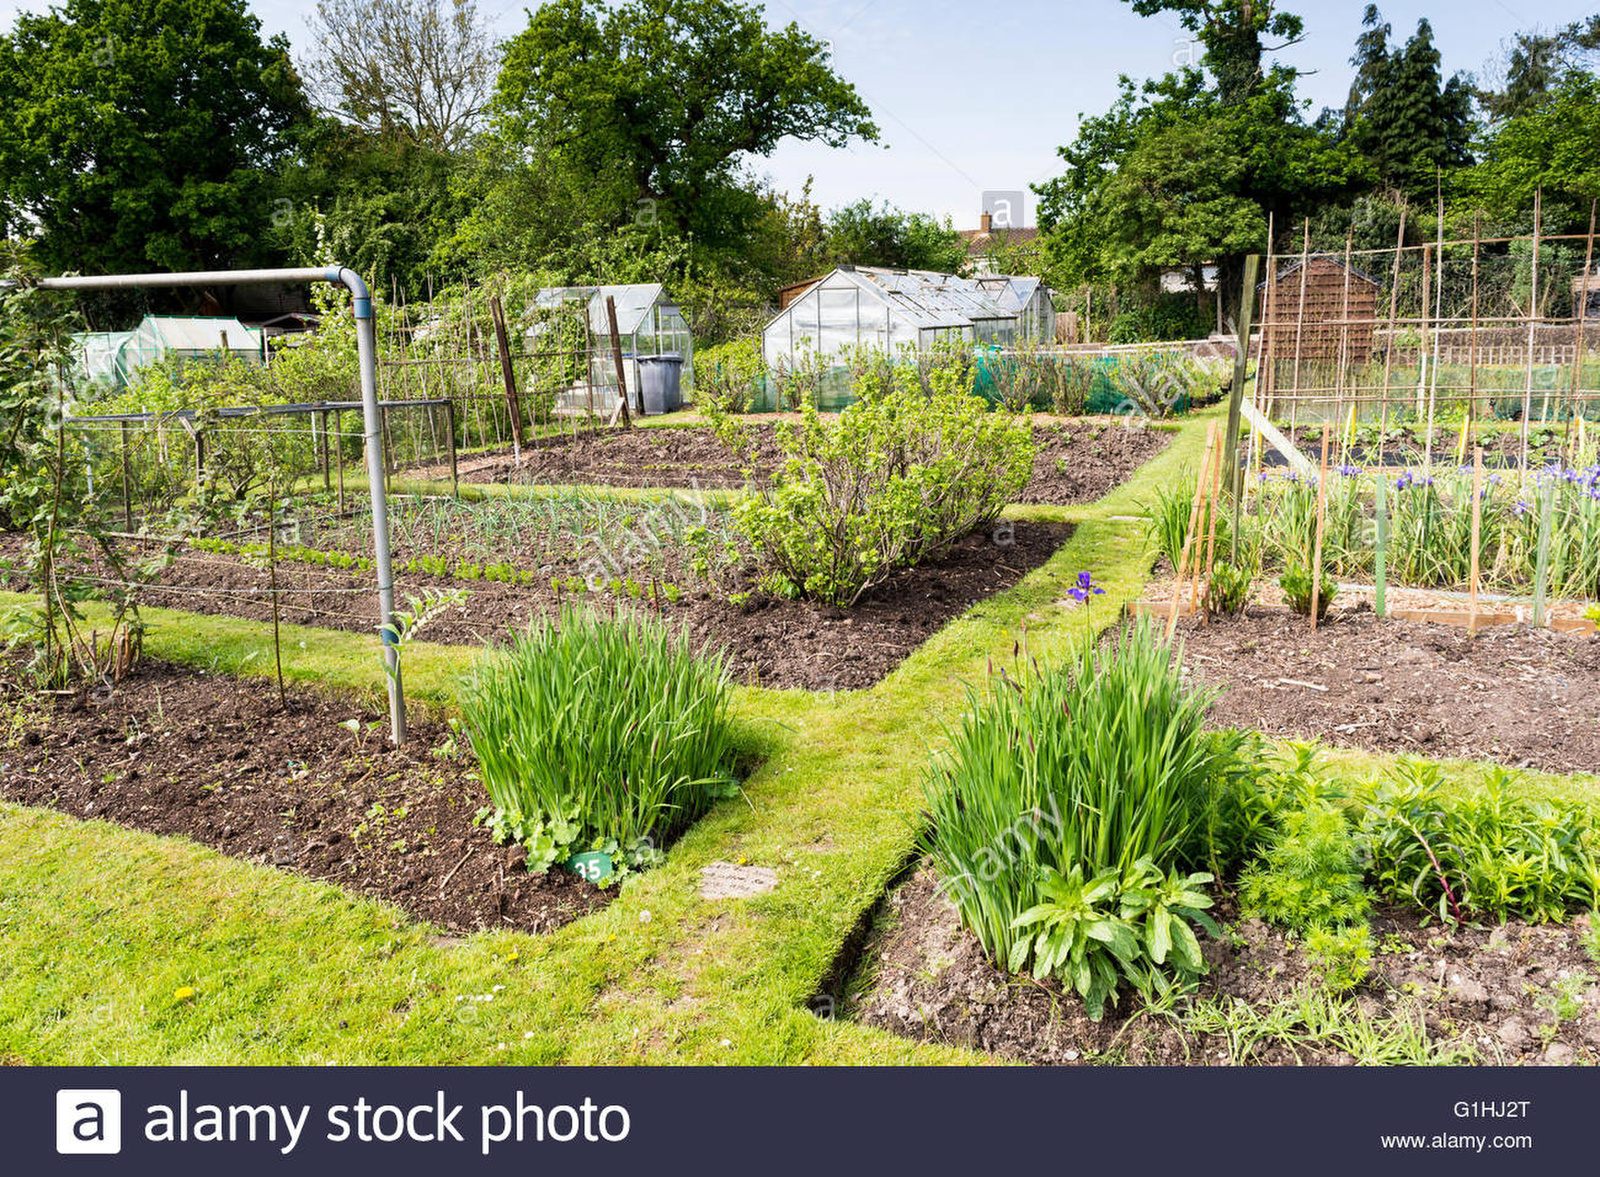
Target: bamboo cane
1194 526
1477 533
1322 516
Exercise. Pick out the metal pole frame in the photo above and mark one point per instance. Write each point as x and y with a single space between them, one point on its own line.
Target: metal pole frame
367 354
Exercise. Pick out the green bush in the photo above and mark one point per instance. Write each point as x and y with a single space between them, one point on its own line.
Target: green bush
1310 875
1076 790
896 478
726 376
1296 586
599 733
1488 853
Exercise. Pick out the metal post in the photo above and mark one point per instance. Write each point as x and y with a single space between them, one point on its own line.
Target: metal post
367 351
127 482
450 440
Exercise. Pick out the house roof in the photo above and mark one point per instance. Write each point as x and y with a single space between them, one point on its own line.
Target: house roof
981 241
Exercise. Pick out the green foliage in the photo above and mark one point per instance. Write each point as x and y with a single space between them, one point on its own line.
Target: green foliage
599 733
1296 584
142 135
1488 853
1310 875
1403 115
1079 788
726 376
1340 957
1545 148
1228 590
866 235
650 107
895 479
1132 924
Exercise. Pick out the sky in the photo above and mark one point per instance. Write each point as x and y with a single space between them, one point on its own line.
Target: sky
975 97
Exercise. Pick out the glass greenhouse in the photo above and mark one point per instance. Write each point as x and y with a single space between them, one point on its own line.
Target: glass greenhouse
860 305
649 323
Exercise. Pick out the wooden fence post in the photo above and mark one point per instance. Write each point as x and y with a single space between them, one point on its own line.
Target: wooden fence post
616 358
509 375
127 481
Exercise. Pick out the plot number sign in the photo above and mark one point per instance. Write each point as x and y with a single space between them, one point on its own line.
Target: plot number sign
88 1122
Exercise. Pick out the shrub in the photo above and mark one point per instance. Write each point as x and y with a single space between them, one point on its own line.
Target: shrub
898 477
1486 853
725 376
1296 586
601 733
1340 957
1310 875
1079 788
1074 380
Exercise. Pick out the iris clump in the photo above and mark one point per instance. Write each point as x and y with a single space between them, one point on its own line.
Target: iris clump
1071 809
599 732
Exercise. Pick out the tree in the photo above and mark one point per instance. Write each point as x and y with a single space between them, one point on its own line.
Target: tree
652 105
867 235
1410 122
1538 64
417 71
1172 177
1232 33
143 134
1553 148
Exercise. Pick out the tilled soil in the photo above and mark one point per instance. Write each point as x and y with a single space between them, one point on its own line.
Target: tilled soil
1487 995
775 643
178 751
1078 460
1523 697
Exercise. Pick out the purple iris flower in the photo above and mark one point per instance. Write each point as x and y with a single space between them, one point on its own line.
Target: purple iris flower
1085 588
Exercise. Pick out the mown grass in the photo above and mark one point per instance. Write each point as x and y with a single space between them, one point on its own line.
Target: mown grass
99 926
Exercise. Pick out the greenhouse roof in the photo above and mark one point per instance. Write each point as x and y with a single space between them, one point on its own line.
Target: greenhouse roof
186 333
633 303
1011 292
926 298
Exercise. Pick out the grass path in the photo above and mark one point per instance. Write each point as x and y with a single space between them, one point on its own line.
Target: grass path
99 926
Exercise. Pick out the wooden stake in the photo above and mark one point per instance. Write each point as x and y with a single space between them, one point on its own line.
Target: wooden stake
1194 526
1388 351
1381 565
1477 532
1211 534
509 375
1533 315
1583 318
1541 574
616 358
1322 516
127 480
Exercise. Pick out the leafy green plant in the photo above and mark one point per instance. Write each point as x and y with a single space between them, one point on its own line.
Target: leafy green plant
1296 586
1228 590
1120 924
726 376
1490 852
594 730
897 478
1071 773
1340 957
1310 874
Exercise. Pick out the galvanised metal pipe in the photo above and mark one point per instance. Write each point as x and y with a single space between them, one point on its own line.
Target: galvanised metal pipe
367 355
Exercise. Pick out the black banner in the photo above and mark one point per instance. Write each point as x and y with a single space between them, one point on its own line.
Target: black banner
242 1121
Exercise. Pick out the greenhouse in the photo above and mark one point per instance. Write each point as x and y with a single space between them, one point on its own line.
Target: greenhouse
112 357
860 305
649 323
1027 298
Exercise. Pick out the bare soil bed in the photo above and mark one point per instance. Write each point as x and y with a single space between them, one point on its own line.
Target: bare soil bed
177 751
1485 995
1523 697
1079 459
776 643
